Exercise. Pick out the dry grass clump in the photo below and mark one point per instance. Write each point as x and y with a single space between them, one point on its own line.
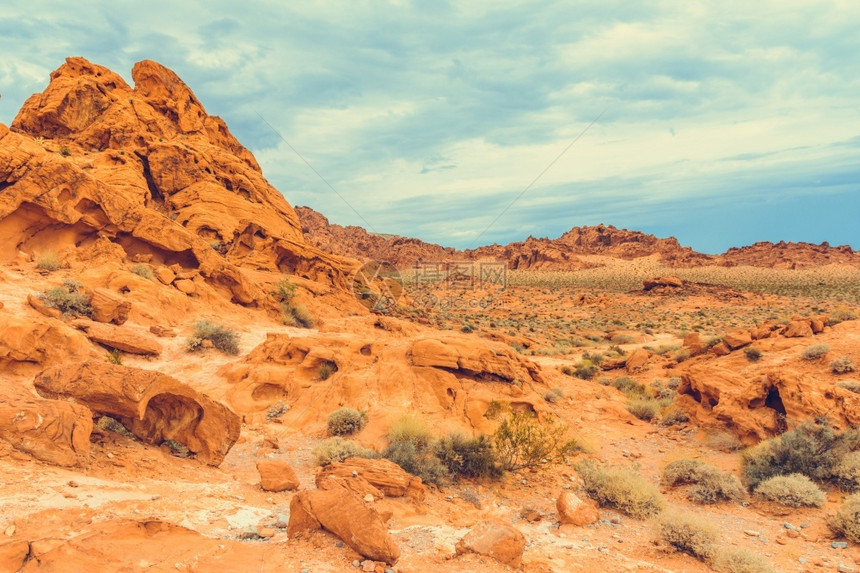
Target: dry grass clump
740 560
688 533
850 385
621 488
410 445
815 351
753 354
337 449
295 314
724 442
846 475
645 408
847 520
48 262
224 339
812 449
793 490
345 421
710 483
842 365
143 270
326 369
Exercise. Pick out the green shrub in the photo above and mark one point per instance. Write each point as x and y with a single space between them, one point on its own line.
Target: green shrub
68 299
115 426
468 457
842 365
645 408
295 314
143 270
522 441
710 483
674 382
629 386
681 355
336 449
815 351
410 446
811 449
740 560
850 385
621 488
326 369
345 421
48 262
222 338
114 356
847 520
752 354
584 370
793 490
64 151
688 533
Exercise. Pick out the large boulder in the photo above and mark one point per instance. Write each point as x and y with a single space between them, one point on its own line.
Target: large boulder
153 406
277 475
342 513
385 475
54 431
37 340
108 306
493 538
572 510
119 337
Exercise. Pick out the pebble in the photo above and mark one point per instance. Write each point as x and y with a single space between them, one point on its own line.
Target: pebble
614 519
356 563
156 497
72 483
368 498
845 569
787 525
839 545
10 531
752 532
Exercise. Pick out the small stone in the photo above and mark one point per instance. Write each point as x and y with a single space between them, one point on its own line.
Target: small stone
10 531
792 533
781 540
787 525
614 519
356 563
369 498
72 483
752 532
839 545
354 473
804 525
368 566
266 532
339 544
845 569
156 497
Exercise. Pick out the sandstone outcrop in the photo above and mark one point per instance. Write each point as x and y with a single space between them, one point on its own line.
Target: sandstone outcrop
30 340
382 474
147 168
153 406
120 338
574 511
54 431
340 512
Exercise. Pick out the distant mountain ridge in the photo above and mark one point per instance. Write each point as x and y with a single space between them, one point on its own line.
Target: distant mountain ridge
565 252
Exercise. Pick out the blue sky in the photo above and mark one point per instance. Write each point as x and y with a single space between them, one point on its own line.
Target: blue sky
723 123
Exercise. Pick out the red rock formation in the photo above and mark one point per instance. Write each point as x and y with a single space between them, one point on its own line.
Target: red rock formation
783 255
153 406
53 431
150 170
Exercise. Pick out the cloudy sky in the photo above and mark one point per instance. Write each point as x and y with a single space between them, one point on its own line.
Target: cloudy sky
721 123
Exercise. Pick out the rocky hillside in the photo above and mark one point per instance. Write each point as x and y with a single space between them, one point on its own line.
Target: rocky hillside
96 168
565 253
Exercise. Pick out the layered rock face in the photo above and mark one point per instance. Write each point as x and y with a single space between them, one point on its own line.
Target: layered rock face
148 169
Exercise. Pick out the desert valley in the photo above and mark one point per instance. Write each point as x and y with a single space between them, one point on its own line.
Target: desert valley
197 376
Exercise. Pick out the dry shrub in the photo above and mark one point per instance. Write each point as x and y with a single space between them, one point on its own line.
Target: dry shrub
524 441
842 365
815 351
688 533
68 299
621 488
724 442
710 483
644 408
337 449
48 262
410 446
847 473
345 421
740 560
850 385
811 449
468 457
847 520
794 490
